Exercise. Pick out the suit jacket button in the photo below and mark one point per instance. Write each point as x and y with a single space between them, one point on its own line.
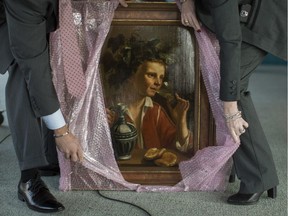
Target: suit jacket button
244 13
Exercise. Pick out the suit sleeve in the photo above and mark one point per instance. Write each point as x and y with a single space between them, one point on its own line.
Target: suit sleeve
6 56
2 13
29 46
225 14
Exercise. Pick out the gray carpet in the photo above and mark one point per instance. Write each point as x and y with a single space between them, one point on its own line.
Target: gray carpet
269 90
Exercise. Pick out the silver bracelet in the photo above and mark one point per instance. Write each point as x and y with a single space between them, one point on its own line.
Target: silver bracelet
233 116
61 135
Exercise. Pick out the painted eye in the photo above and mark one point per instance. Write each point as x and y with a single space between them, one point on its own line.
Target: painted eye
150 75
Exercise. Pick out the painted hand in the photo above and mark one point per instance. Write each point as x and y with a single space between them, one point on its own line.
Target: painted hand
111 117
181 108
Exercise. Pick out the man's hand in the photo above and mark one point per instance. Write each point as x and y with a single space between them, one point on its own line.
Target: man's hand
188 15
68 144
111 117
123 3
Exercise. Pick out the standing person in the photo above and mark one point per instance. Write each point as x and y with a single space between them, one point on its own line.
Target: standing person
32 106
246 31
33 109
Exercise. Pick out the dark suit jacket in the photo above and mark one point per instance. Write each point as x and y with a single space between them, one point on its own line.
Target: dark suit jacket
5 52
42 94
265 27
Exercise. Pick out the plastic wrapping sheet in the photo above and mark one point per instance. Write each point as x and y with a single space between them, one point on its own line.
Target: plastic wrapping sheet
207 170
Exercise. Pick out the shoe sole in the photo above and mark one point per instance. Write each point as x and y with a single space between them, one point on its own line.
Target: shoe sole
243 203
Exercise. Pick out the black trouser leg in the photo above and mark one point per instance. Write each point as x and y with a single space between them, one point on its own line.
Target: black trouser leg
50 146
29 23
24 126
253 161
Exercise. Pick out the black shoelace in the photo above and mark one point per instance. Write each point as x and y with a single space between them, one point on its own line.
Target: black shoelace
38 184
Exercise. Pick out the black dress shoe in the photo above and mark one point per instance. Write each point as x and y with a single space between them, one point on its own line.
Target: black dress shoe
51 170
38 197
249 199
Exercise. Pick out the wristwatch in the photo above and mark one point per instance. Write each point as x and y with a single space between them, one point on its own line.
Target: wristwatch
182 1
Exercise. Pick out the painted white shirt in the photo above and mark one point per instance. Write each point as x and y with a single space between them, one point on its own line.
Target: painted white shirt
148 104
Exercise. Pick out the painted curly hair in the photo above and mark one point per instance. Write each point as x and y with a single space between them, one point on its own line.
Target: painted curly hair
124 55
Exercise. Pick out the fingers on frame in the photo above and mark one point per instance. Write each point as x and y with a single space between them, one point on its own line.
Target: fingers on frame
74 157
80 155
67 155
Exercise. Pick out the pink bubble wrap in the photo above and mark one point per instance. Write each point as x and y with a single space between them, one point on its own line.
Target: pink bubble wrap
207 170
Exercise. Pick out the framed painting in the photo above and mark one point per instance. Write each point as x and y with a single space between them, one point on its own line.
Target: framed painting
157 106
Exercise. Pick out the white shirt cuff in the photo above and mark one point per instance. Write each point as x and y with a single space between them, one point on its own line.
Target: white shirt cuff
55 120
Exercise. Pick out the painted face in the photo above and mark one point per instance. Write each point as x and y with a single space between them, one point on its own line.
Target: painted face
148 78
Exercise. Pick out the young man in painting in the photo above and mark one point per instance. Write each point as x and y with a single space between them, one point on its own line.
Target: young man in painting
144 79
